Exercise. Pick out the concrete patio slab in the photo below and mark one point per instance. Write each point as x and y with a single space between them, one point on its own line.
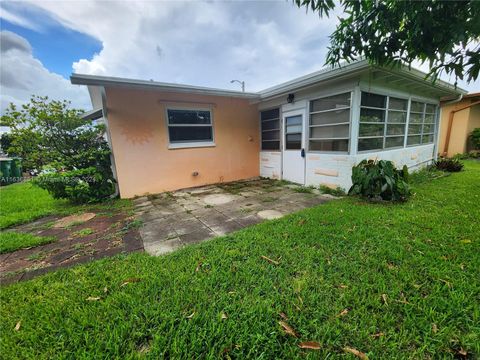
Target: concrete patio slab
173 220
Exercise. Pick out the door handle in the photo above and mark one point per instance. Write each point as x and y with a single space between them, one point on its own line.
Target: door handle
302 153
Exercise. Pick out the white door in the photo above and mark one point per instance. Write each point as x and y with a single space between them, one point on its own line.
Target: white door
293 147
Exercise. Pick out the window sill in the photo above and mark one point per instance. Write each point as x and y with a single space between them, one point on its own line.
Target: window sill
191 145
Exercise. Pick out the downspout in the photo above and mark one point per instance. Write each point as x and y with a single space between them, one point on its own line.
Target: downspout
450 123
109 140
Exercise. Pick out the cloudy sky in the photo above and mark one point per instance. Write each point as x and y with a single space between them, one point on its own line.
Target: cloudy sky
199 43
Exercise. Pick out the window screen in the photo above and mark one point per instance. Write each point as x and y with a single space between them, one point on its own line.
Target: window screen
270 123
329 127
186 126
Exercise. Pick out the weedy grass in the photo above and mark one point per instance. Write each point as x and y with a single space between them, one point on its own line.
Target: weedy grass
11 241
394 281
25 202
84 232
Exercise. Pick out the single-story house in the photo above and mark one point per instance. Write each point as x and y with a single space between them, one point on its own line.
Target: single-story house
310 130
459 118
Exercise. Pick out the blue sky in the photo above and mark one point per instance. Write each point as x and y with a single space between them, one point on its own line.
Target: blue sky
202 43
55 46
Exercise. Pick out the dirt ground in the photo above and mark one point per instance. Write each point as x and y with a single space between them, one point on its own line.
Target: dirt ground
76 242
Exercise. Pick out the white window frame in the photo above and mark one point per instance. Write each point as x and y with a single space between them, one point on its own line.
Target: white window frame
349 123
189 144
385 123
409 100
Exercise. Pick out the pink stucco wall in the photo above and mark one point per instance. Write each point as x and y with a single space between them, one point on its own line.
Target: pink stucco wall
144 162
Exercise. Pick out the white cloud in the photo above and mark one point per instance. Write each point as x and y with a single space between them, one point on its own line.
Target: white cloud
17 19
202 43
22 75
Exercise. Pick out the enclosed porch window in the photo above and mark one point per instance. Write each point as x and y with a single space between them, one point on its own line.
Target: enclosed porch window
270 124
329 124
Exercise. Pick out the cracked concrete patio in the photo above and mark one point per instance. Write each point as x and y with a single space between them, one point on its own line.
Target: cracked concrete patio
175 219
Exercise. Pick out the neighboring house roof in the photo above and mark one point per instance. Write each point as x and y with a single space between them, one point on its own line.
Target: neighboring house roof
409 77
92 114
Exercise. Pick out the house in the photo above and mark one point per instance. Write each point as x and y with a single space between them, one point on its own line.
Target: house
459 118
310 130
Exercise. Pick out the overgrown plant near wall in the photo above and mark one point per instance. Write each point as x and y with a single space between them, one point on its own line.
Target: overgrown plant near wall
449 165
475 138
380 180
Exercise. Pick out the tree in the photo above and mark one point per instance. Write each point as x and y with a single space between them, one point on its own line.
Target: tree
48 134
445 34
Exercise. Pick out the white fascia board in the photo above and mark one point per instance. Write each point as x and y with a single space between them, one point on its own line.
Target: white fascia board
105 81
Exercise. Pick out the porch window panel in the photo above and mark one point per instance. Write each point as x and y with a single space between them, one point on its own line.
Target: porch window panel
339 145
372 129
417 106
397 104
271 125
329 121
331 102
270 129
270 145
416 118
330 117
429 118
375 143
395 129
372 115
373 100
329 132
428 128
394 141
414 129
270 114
430 109
270 135
427 138
397 117
414 140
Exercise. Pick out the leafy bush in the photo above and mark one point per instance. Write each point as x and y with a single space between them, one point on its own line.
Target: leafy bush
450 165
71 152
380 180
80 186
475 138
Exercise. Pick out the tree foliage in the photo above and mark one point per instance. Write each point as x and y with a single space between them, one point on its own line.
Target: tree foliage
49 135
445 34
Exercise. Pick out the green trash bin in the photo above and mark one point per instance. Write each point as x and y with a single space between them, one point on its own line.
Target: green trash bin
16 169
5 169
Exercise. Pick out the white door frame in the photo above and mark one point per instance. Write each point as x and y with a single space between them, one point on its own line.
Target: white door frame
294 171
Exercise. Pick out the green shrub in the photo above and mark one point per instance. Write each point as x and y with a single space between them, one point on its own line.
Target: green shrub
380 180
450 165
475 138
80 186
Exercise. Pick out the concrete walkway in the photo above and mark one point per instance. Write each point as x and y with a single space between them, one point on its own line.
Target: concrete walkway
173 220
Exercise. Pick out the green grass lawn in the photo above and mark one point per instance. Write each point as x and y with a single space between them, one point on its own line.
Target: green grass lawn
393 281
25 202
11 241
